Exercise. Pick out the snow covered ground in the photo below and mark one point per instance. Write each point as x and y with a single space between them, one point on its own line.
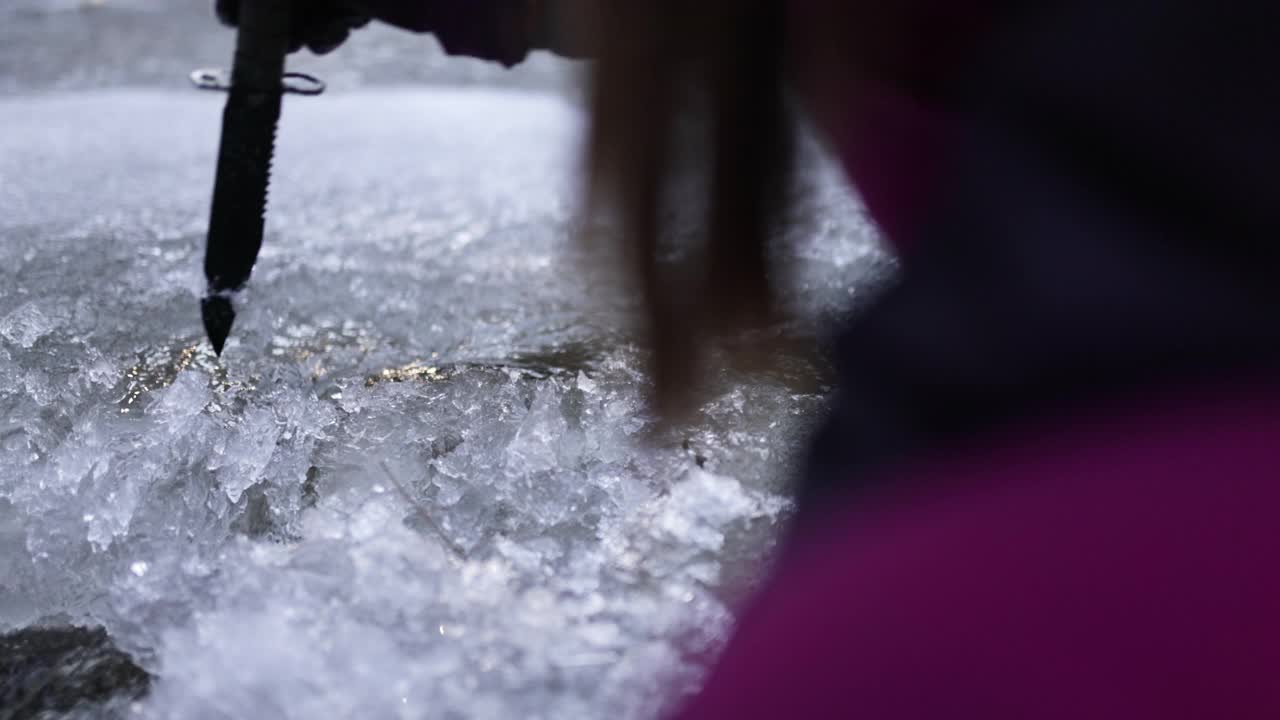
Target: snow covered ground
421 482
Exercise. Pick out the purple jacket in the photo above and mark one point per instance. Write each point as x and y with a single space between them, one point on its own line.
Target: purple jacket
1110 566
1048 485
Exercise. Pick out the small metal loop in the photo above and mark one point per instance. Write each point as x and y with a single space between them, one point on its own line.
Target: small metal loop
211 79
217 79
308 85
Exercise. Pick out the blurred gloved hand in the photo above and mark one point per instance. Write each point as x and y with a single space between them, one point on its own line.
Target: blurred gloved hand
500 30
497 30
319 25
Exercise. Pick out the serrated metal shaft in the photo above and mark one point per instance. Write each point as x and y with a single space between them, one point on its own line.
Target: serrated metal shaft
237 218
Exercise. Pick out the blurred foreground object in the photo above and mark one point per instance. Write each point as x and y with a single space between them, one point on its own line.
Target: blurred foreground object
691 127
1047 486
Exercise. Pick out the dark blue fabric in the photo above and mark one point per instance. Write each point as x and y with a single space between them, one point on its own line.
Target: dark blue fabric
1111 223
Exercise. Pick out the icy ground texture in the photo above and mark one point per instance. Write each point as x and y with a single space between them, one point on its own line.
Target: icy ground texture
421 483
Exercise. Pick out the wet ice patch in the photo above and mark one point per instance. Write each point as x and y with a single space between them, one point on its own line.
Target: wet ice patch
27 324
483 539
700 507
504 558
422 481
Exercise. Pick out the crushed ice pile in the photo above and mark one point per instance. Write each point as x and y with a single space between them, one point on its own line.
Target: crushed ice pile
422 481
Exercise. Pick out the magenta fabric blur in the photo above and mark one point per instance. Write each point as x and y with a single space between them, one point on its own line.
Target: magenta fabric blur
896 137
893 147
1110 565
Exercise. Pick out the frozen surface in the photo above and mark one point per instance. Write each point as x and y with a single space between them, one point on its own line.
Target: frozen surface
421 482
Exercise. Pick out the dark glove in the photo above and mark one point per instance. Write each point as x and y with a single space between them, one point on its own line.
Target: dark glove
496 30
499 30
321 27
503 31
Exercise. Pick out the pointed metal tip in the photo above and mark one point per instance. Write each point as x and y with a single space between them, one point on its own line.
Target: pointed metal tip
218 316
